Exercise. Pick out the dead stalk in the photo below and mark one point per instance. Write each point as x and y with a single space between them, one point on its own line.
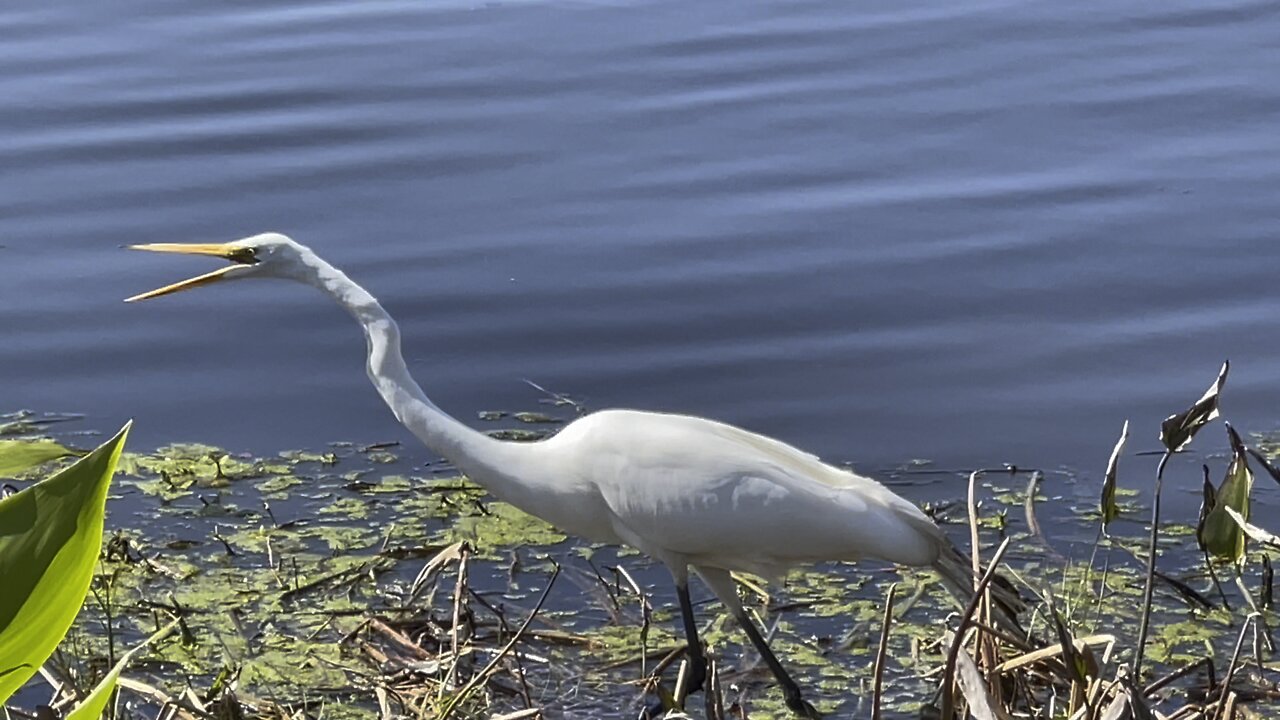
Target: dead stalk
488 669
948 701
882 652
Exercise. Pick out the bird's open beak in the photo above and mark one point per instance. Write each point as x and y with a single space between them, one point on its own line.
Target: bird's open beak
237 254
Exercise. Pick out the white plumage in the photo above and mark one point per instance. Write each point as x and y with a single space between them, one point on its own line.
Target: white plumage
690 492
687 490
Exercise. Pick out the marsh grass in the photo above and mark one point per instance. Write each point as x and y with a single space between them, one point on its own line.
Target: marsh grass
351 582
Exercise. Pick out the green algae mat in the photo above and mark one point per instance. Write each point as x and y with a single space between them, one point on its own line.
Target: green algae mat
357 581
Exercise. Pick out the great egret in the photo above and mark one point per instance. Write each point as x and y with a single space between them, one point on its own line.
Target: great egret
690 492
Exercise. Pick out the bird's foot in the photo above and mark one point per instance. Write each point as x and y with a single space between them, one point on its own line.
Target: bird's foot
798 705
696 674
661 701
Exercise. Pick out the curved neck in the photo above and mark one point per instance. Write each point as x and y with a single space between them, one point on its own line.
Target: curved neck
470 451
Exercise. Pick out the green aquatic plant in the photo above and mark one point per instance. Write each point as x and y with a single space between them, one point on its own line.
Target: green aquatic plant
19 456
1108 506
96 702
1219 534
50 537
1176 432
284 570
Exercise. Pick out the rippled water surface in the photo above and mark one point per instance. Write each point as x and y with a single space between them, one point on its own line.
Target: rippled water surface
969 232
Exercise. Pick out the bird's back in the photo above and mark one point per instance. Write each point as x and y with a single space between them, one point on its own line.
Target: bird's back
721 496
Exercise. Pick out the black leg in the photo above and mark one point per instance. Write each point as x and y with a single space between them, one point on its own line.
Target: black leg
790 691
693 651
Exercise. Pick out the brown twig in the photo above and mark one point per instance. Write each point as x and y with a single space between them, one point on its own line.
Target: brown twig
881 652
948 702
479 677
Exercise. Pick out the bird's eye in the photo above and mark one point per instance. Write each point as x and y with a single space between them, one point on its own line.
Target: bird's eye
245 256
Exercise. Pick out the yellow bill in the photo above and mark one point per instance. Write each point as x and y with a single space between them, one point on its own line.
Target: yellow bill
236 253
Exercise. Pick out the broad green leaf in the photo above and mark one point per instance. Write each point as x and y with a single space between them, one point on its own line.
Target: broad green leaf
1177 430
94 705
19 455
50 538
1221 536
1110 510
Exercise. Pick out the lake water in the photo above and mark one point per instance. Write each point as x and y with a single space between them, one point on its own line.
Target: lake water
965 232
968 232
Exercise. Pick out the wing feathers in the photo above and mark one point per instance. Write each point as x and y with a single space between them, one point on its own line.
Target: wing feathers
709 490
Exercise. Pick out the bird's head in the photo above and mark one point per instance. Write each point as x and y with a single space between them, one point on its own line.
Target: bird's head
266 255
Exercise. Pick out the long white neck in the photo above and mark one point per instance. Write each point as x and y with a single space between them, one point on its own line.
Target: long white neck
484 459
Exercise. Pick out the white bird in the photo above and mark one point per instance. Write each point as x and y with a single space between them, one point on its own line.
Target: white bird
694 494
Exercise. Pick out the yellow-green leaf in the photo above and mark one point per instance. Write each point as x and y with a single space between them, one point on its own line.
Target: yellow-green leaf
94 705
19 455
50 538
1221 536
1110 510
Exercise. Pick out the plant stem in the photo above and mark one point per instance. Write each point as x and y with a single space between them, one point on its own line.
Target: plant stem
881 652
1151 571
966 621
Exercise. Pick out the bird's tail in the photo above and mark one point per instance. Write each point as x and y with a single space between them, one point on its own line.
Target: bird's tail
956 572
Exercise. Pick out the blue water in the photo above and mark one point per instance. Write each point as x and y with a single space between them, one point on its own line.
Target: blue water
968 232
964 232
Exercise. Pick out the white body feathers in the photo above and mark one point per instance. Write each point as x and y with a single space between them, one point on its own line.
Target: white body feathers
689 490
692 493
685 490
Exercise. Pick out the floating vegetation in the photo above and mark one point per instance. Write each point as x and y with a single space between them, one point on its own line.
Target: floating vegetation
355 581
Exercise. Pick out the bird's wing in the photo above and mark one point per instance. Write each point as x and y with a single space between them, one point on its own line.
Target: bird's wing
727 497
